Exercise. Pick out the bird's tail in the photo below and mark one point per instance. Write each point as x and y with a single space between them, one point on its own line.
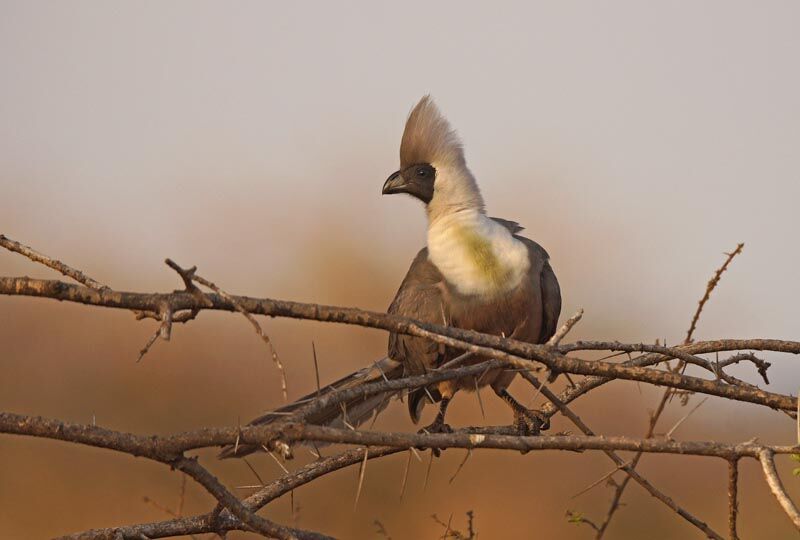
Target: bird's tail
350 413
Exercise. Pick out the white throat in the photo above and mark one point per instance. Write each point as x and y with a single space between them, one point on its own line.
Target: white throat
477 255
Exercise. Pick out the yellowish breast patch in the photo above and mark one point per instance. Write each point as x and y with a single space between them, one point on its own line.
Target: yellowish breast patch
479 251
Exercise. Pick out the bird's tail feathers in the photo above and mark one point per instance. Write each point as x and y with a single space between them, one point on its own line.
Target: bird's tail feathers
417 399
351 413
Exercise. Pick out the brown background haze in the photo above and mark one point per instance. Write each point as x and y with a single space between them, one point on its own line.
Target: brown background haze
635 142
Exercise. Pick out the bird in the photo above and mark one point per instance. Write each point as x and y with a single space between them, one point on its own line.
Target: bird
475 273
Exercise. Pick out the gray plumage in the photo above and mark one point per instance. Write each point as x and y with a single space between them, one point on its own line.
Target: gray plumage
352 413
476 273
530 313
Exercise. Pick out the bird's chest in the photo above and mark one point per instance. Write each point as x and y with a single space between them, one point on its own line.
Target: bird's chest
477 260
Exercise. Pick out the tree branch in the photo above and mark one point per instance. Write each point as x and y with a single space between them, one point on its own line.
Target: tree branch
766 456
514 353
733 497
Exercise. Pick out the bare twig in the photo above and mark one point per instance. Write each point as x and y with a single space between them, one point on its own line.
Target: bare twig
766 457
600 480
684 417
565 328
666 396
618 461
182 497
247 315
460 465
733 495
712 284
35 256
192 468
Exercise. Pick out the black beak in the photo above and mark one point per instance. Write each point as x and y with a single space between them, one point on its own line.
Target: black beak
395 184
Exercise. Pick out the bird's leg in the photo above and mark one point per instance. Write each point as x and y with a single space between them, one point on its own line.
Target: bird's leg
528 421
438 425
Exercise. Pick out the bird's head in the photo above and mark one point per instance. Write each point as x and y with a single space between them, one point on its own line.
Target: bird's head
432 164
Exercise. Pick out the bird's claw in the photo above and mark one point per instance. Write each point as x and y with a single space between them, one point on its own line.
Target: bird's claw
436 427
530 422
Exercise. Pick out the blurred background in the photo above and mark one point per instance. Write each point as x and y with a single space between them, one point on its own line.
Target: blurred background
636 142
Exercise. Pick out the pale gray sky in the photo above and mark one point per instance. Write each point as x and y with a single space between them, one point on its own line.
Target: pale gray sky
635 141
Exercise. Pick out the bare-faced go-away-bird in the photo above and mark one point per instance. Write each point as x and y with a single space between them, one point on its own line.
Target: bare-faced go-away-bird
476 273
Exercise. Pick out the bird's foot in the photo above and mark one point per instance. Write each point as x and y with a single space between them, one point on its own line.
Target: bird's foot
436 427
530 422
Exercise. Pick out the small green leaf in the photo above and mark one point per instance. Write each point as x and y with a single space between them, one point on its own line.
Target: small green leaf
575 517
796 471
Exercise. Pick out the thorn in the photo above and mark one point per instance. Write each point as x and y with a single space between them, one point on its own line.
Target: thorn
405 475
461 466
361 474
267 450
480 401
316 366
255 473
428 472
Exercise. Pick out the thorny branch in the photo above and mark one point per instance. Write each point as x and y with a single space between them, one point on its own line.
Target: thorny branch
513 353
669 392
190 276
235 514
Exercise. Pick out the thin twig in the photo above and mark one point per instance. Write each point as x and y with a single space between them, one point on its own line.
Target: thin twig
256 326
712 284
684 417
766 457
669 392
559 405
35 256
565 328
733 495
461 465
182 497
600 480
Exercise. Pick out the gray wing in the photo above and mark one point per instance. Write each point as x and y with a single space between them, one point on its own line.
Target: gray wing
512 226
551 302
543 277
420 298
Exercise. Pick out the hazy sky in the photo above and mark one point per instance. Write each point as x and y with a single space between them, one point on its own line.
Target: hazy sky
636 142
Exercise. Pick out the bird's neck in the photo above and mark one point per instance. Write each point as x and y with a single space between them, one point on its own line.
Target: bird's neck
455 190
476 255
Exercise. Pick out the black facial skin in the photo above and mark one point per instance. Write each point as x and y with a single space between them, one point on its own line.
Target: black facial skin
416 180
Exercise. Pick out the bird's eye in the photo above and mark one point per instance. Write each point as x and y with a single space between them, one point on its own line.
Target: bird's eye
422 173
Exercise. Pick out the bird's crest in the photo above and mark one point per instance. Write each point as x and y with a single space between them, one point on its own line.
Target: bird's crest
428 138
